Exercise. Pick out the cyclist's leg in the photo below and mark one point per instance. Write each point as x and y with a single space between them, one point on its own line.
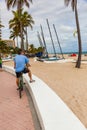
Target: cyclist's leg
17 77
27 70
30 74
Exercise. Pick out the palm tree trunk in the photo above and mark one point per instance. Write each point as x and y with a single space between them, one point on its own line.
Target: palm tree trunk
26 40
21 30
17 42
22 41
78 63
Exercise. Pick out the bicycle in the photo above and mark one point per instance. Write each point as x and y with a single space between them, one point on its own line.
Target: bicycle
20 86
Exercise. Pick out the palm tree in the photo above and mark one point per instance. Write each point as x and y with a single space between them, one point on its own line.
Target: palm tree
32 49
14 35
0 29
74 8
26 20
3 47
14 25
1 25
19 4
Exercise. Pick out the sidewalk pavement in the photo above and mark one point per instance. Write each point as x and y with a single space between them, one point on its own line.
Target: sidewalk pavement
15 113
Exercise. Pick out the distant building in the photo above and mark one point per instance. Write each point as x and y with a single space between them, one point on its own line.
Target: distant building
10 43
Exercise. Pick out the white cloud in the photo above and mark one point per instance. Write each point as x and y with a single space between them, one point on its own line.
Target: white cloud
66 28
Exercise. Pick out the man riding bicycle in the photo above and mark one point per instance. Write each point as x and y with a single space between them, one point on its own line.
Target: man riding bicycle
21 64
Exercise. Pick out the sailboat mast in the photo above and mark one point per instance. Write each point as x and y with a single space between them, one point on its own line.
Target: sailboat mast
51 38
44 40
39 38
58 40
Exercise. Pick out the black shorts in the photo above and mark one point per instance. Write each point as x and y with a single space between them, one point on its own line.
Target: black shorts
0 65
18 74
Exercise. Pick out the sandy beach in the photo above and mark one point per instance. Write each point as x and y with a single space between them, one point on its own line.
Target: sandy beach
68 82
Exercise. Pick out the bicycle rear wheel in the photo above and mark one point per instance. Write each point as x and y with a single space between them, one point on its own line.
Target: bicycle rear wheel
20 87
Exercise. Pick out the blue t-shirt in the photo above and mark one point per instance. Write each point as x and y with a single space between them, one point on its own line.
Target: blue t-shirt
21 61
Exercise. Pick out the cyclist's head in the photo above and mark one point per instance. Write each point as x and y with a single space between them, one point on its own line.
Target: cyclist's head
20 51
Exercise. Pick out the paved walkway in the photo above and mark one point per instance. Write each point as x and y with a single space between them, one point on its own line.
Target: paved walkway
15 113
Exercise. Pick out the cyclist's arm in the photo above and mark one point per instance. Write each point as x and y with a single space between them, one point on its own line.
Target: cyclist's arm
27 62
28 65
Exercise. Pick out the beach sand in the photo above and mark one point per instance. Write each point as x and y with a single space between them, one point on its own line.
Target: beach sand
68 82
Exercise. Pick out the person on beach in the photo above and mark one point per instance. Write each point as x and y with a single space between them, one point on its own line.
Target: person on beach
21 64
0 63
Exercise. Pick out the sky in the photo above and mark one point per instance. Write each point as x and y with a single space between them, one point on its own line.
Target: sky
58 14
